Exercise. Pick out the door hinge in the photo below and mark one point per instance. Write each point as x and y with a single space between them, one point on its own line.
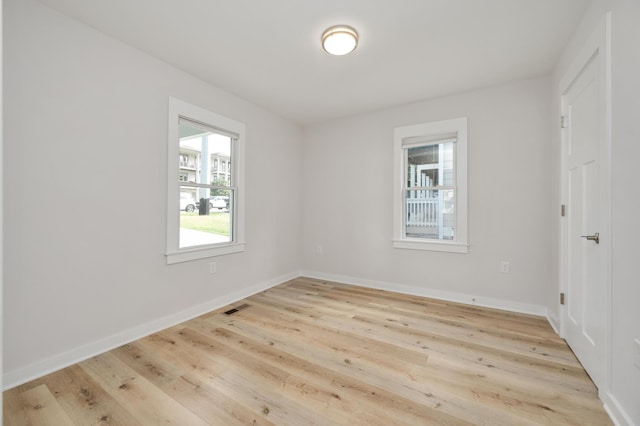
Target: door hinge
563 121
562 298
563 210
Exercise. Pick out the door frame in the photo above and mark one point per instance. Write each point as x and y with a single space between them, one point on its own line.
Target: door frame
598 43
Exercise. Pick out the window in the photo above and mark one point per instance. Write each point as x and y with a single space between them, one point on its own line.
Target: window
430 198
205 216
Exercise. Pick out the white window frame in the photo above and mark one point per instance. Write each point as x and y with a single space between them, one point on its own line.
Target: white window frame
431 131
180 109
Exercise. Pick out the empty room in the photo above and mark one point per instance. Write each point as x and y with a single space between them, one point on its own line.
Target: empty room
285 212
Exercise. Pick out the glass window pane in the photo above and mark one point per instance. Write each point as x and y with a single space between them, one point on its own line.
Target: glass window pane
220 199
205 156
204 224
430 165
430 214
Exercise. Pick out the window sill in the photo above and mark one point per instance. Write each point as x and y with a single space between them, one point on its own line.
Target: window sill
203 252
449 247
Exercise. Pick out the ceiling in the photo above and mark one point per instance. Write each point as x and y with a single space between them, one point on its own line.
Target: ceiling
268 51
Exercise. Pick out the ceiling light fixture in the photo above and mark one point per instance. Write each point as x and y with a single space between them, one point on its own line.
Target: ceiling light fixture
339 40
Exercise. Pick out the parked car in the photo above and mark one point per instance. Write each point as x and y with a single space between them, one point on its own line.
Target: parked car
187 203
219 202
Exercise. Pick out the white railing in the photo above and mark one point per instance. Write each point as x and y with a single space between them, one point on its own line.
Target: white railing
422 212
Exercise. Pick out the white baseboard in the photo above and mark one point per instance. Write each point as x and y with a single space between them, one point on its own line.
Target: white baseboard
618 415
555 323
56 362
487 302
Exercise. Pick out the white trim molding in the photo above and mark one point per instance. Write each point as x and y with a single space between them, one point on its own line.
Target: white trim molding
618 415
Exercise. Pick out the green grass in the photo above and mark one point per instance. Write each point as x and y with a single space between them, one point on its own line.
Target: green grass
215 223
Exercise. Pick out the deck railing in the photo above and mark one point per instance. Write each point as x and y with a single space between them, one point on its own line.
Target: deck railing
422 211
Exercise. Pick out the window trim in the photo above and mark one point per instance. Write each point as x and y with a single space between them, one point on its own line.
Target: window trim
426 132
174 253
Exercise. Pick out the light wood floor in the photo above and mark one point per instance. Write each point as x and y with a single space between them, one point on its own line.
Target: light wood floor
313 352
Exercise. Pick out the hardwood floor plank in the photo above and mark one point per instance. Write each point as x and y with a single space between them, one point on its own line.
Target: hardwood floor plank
214 366
466 331
84 400
314 352
440 309
41 408
352 363
416 368
283 396
365 402
88 403
175 380
204 371
147 403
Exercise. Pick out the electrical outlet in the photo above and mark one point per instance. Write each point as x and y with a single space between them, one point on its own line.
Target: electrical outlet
505 267
636 353
213 268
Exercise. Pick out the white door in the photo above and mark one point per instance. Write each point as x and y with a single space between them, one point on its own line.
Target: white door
585 228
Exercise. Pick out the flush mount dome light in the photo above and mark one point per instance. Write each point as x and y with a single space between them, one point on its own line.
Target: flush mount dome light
339 40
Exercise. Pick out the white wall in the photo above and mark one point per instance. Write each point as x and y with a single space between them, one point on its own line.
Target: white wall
85 195
348 190
625 379
622 396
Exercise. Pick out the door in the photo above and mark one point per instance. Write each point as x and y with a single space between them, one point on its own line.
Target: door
585 227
